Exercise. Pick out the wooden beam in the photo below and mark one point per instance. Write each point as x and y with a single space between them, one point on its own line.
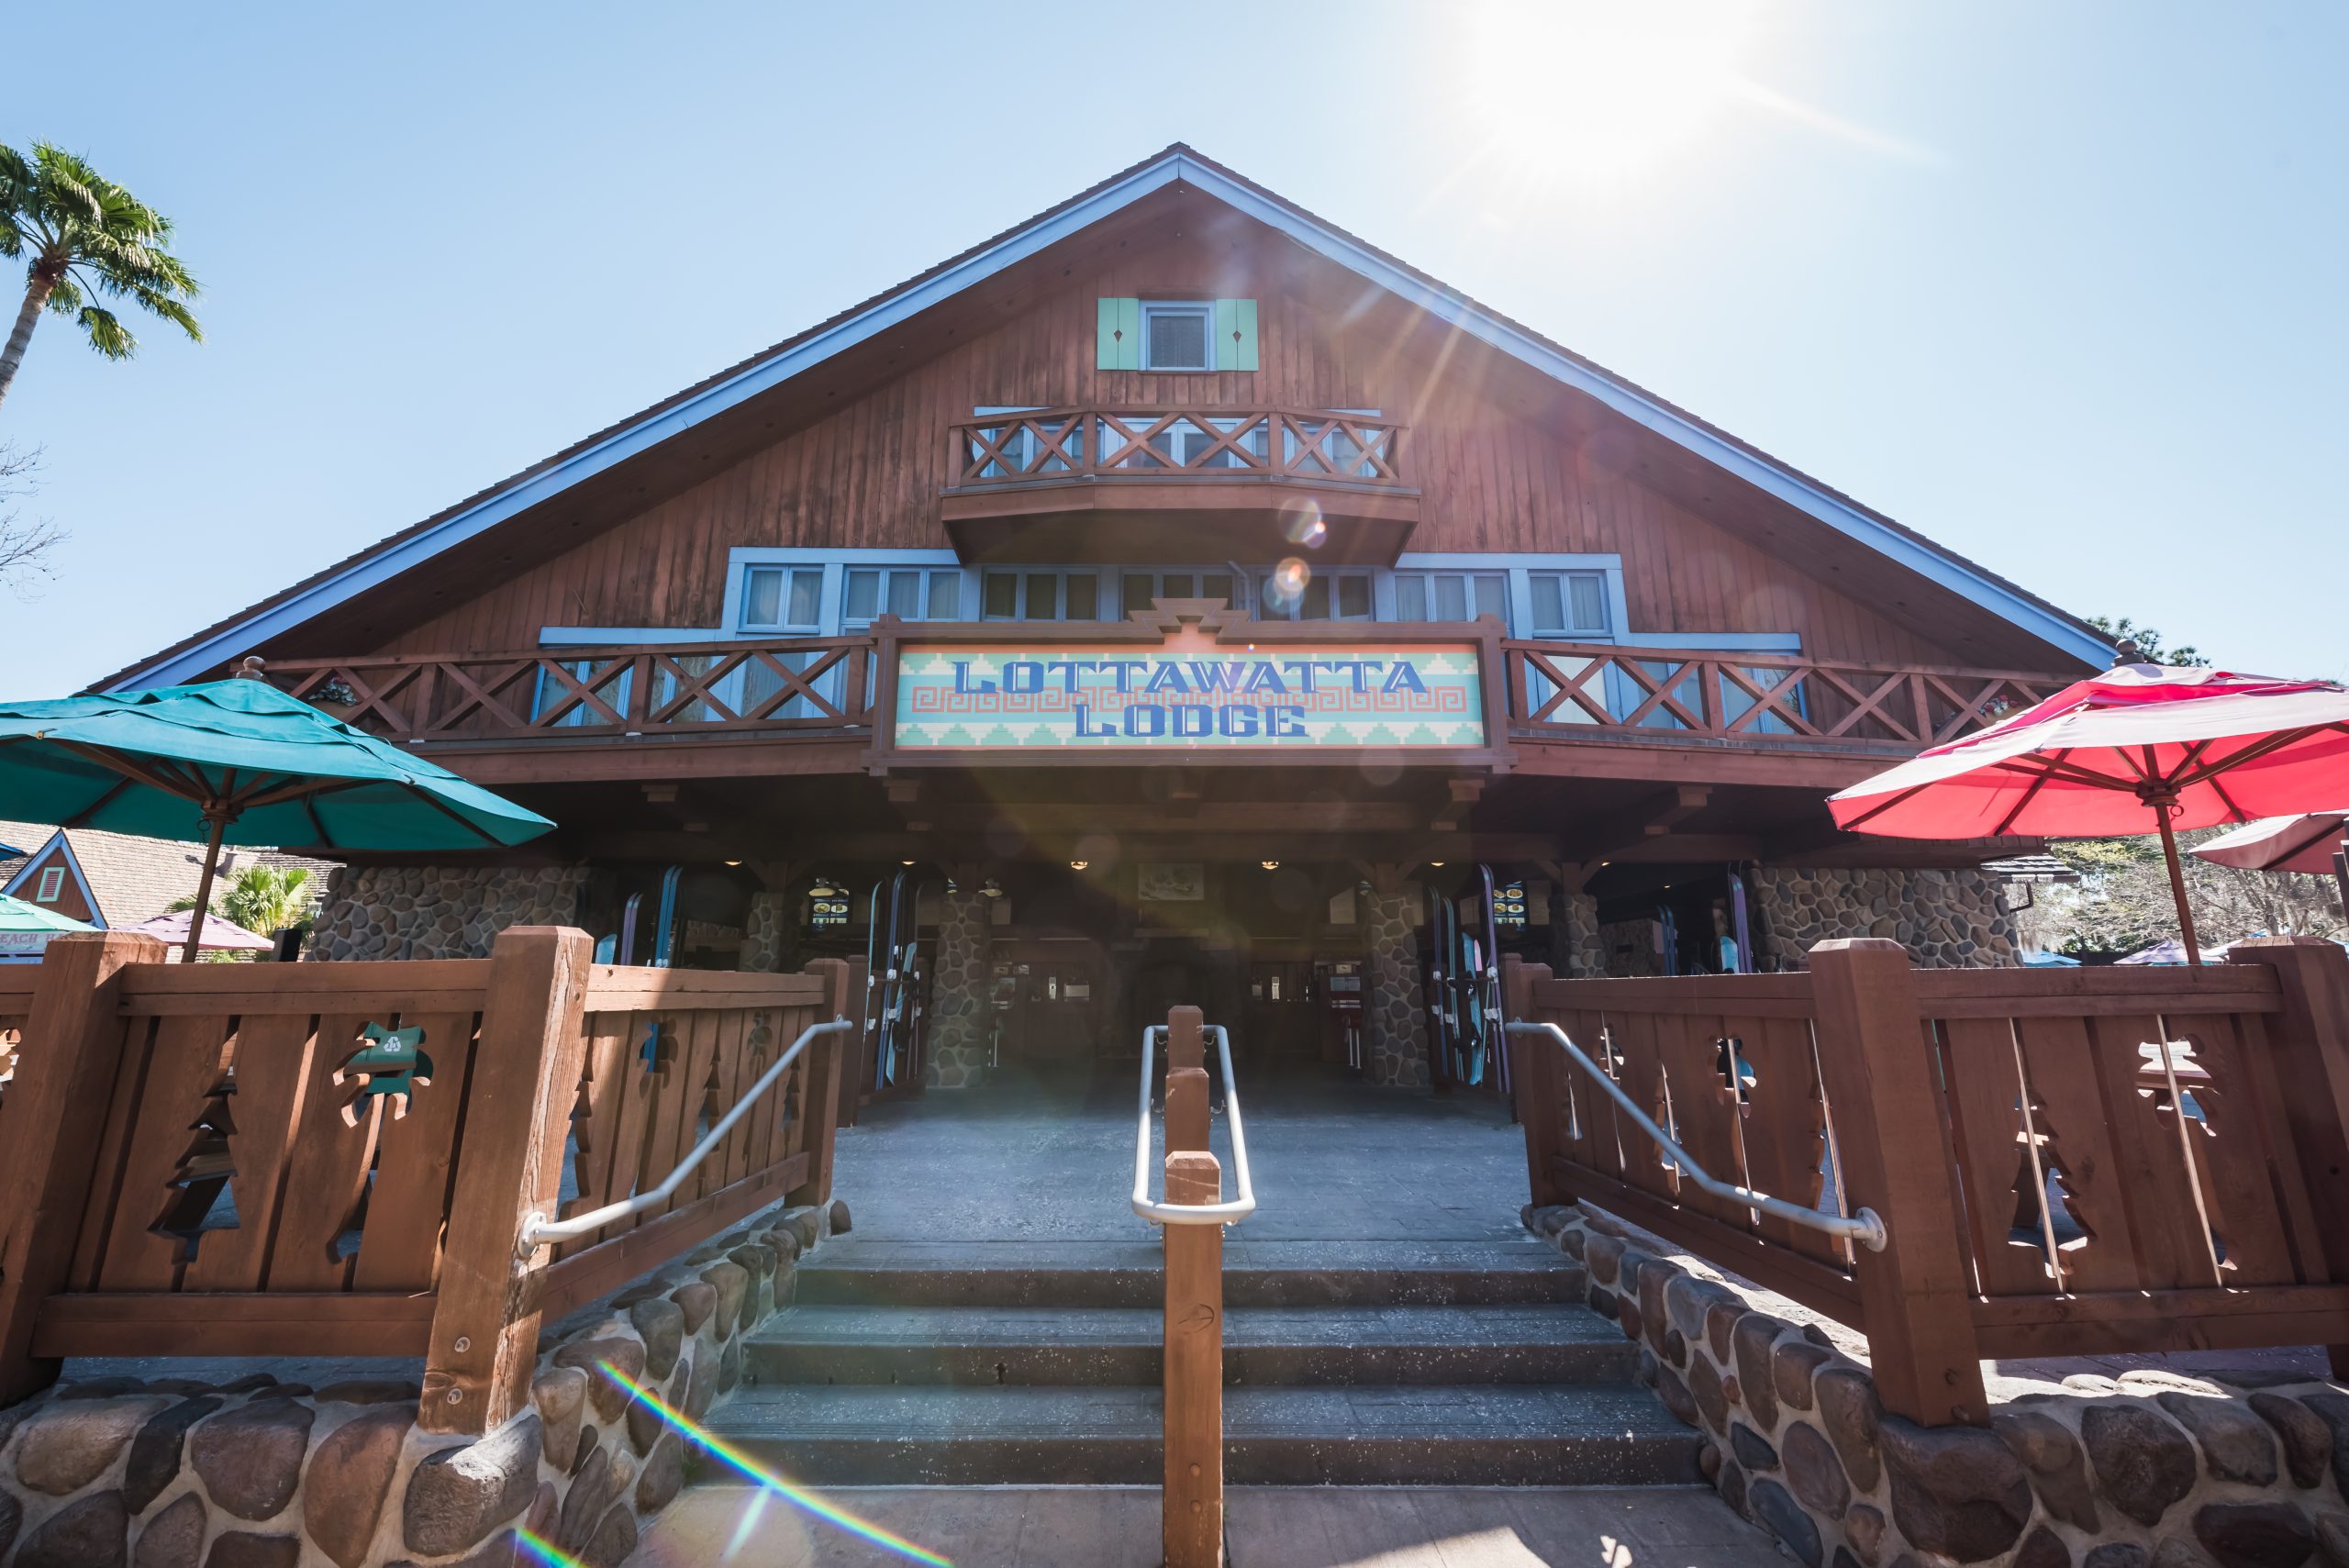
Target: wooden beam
517 1111
1649 818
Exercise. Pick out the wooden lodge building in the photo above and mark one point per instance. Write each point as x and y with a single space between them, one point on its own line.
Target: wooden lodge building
1194 603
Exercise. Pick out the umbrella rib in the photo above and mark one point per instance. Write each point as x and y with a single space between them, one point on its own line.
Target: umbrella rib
2037 785
2229 801
2253 752
1882 806
443 807
121 782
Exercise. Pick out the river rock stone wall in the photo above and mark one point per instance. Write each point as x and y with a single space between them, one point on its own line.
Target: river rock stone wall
1395 1006
258 1474
959 1003
2167 1470
1947 920
438 911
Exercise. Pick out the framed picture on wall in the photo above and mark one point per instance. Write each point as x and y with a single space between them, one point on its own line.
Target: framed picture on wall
1170 881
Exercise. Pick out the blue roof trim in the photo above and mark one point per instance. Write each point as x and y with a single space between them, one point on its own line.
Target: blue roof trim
40 862
1174 167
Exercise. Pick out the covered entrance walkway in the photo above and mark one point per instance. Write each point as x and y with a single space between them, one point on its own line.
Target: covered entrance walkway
1049 1157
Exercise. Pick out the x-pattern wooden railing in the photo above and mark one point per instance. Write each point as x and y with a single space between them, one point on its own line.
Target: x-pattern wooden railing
795 684
1219 443
1579 686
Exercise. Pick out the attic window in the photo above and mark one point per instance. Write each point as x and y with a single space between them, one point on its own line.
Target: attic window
52 882
1177 337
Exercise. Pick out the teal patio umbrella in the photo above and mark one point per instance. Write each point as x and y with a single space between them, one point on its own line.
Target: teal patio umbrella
25 929
237 761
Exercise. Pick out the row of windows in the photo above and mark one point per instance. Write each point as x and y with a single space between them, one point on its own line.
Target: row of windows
790 598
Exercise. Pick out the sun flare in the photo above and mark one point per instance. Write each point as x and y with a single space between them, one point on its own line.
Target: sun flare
1598 95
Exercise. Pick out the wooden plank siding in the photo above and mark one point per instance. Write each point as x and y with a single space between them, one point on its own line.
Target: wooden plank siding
1502 465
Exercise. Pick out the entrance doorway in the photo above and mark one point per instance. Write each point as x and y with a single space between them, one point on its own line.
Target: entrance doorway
1051 1003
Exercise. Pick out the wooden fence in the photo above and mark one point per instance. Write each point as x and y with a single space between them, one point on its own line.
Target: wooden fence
338 1158
2068 1162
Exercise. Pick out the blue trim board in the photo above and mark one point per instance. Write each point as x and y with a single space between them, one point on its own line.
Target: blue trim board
1176 165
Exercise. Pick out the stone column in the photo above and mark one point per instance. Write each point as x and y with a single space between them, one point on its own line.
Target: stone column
1575 951
767 932
1395 1008
959 1012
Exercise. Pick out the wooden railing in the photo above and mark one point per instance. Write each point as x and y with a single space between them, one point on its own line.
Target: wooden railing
792 683
820 687
2056 1179
338 1158
1192 443
16 1002
1566 689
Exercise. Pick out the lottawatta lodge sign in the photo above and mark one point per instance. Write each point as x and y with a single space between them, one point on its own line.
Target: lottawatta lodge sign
996 695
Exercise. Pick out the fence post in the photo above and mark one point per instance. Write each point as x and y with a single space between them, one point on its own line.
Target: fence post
2310 1038
66 1073
821 1100
519 1103
1193 1493
1539 1078
1916 1296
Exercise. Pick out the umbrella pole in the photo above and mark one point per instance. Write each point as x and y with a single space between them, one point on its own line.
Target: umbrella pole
2177 884
219 822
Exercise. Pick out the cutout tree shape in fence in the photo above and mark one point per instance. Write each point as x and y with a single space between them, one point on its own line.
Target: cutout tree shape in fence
2047 1219
2171 1076
201 1178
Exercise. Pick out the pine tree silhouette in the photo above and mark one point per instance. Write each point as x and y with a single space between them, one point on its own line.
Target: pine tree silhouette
2198 1094
2043 1196
201 1174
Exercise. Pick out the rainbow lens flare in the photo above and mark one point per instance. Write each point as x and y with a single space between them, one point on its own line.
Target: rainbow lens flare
545 1552
831 1513
1285 586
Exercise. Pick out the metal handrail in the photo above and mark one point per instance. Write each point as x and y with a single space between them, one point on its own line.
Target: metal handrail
1229 1213
1866 1227
538 1231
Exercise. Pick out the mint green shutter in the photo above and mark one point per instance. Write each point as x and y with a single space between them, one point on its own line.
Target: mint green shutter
1119 336
1235 334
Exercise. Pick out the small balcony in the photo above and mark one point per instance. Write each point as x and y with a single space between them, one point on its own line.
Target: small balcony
1135 485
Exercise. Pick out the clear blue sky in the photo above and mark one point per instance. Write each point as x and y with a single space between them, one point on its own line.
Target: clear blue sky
2060 285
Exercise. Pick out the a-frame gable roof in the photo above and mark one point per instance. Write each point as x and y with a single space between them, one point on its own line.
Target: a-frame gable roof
1178 164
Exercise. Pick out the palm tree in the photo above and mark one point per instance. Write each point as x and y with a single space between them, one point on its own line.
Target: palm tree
264 900
82 236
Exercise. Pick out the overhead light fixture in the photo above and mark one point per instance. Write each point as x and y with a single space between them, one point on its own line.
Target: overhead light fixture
733 862
991 889
1270 865
904 862
1438 864
1078 865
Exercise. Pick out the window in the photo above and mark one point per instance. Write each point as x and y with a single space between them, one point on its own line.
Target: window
1568 604
1041 596
1178 337
52 882
909 593
1451 595
1139 588
784 596
1327 596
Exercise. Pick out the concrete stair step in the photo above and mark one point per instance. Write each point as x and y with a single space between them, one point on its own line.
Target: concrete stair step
1290 1346
1473 1435
1132 1274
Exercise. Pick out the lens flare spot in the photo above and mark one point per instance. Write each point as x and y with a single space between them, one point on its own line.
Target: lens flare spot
545 1552
1285 586
1305 526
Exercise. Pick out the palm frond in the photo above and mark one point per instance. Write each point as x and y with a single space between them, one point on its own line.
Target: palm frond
66 298
108 335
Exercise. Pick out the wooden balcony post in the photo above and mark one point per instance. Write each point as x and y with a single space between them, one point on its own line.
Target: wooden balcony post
1541 1080
1193 1493
2311 1041
66 1072
1916 1294
518 1115
819 1100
